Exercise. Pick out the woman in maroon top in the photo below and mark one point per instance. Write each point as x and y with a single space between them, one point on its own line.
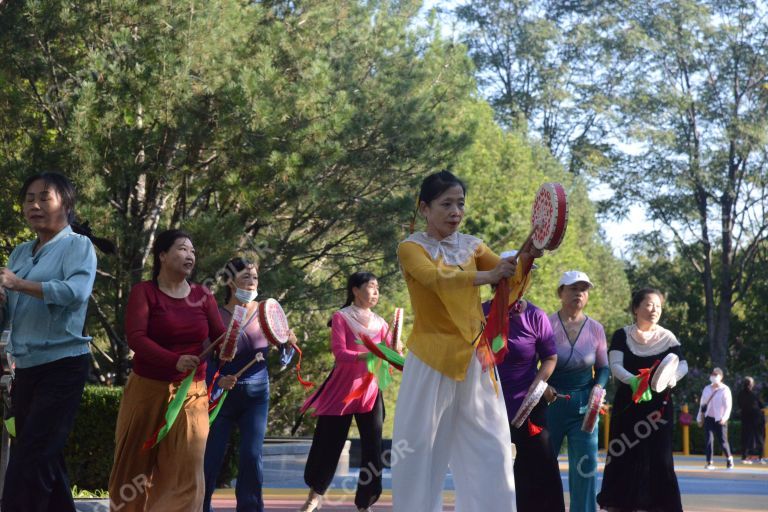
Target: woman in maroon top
166 323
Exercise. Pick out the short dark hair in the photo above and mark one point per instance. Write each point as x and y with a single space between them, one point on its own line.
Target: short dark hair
63 186
639 296
231 269
163 243
435 184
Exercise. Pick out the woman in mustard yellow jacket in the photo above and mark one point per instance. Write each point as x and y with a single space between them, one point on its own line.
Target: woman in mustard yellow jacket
448 410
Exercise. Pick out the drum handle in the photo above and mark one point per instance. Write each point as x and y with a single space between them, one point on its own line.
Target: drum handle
250 363
210 347
527 239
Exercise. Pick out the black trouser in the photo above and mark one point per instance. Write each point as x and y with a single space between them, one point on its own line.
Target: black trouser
752 435
714 429
328 442
538 487
45 400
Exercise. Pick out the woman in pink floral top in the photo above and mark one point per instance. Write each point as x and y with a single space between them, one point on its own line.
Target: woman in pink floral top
349 391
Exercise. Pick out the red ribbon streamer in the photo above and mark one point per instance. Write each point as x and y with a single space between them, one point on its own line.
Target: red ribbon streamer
359 390
305 383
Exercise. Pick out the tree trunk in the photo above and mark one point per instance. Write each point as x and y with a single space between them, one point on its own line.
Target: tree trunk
706 273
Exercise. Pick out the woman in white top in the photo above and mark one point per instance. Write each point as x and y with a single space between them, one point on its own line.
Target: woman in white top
714 411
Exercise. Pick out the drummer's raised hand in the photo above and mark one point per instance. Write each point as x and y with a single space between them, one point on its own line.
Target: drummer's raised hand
227 382
292 337
187 363
531 250
505 268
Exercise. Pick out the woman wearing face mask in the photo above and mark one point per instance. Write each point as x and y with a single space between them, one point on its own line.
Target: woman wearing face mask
346 394
582 364
247 403
449 410
639 471
714 411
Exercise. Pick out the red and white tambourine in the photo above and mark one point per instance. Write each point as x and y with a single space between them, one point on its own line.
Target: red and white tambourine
594 404
274 325
529 402
549 217
273 322
229 346
397 329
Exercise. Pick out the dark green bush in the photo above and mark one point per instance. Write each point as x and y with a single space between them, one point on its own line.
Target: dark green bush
91 444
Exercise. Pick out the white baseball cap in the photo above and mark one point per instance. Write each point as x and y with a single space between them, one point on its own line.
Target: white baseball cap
511 254
570 277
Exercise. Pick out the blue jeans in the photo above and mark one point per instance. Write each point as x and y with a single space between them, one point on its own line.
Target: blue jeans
247 406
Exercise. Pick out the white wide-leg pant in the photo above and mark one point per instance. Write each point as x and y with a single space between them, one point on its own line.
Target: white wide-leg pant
440 421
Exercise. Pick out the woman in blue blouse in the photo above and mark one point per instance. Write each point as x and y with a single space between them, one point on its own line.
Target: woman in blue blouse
44 294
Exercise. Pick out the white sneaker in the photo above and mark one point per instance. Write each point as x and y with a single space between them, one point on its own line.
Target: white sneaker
709 466
729 463
314 502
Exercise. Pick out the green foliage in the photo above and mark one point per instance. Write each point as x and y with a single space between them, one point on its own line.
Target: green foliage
503 171
82 493
297 131
91 444
663 101
538 65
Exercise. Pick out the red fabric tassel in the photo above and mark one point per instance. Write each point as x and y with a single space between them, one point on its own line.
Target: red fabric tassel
484 354
213 382
498 320
212 405
359 390
533 429
305 383
645 378
375 349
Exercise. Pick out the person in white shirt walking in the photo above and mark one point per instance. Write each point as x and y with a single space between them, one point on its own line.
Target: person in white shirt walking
714 411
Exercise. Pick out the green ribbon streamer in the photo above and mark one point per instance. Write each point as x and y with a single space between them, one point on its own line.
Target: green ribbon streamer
216 409
175 406
497 344
380 369
10 426
634 384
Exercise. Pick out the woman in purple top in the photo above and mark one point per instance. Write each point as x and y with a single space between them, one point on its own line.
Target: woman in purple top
530 342
247 403
346 393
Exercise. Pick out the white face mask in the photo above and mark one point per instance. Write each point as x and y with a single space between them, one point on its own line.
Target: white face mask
715 379
245 296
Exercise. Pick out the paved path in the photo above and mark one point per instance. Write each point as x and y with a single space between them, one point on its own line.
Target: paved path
742 489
